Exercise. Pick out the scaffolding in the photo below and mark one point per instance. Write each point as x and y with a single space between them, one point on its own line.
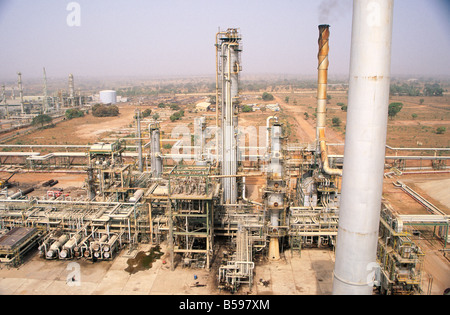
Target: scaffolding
400 259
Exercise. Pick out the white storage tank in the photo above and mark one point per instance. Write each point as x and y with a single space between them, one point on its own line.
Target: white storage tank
108 97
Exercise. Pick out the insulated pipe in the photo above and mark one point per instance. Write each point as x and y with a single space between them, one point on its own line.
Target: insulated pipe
365 142
324 156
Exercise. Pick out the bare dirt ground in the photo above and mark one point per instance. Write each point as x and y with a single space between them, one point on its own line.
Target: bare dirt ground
283 276
433 187
38 276
79 131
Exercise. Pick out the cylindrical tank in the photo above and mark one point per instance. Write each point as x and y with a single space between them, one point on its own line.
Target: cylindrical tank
69 246
108 97
97 245
110 244
56 246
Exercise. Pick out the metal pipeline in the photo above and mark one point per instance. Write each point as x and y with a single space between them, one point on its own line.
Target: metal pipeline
324 156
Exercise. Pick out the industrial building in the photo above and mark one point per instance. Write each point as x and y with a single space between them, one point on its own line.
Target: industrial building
309 198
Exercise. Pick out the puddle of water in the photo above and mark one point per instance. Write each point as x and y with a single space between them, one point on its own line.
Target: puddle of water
143 260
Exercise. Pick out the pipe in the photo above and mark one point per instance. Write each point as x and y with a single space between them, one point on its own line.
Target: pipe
324 156
365 142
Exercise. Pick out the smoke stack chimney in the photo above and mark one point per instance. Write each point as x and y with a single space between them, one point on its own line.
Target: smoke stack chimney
365 147
324 48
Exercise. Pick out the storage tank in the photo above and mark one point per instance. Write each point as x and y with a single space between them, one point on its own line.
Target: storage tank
108 97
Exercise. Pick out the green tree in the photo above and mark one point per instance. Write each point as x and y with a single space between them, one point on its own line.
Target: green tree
74 113
41 120
394 109
246 109
100 110
174 107
336 121
441 130
433 90
414 116
267 97
146 112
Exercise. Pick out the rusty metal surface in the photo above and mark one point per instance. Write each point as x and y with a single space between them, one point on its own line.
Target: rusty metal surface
15 237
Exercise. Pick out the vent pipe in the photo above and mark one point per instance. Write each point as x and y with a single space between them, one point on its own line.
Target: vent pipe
365 141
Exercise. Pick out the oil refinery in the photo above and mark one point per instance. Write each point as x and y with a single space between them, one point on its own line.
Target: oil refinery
195 203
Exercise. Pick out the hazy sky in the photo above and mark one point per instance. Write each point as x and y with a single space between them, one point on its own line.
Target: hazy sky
176 37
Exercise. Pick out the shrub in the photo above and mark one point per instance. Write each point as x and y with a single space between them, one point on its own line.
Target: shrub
394 109
246 109
441 130
146 112
99 110
74 113
267 97
41 120
336 121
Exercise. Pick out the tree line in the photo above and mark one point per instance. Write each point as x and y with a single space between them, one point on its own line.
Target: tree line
428 89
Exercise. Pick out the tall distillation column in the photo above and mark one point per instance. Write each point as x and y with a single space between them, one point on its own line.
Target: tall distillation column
71 90
45 101
365 141
228 68
276 190
156 159
19 83
139 140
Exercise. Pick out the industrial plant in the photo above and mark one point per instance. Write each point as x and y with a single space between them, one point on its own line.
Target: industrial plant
221 200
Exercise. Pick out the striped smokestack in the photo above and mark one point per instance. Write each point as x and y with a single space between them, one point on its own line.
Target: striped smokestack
324 48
